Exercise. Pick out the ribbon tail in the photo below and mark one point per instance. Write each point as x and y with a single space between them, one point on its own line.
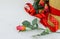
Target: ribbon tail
55 22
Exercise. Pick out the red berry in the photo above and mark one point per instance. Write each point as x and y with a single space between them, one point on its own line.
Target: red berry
41 2
46 7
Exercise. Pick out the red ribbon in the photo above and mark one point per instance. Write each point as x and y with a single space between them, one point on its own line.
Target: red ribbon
44 17
55 22
54 11
54 28
31 11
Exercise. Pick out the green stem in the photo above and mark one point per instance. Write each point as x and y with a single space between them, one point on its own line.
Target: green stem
41 29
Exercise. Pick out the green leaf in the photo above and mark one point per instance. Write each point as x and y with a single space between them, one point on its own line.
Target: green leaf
26 23
47 30
34 21
44 33
30 26
35 4
35 26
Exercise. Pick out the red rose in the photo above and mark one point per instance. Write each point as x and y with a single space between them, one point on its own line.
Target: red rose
21 28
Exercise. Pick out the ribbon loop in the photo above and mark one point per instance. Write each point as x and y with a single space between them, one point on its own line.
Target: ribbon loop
31 9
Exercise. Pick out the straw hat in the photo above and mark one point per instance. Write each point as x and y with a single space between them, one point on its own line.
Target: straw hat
55 4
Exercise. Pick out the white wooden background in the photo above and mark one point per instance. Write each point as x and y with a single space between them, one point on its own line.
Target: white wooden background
12 14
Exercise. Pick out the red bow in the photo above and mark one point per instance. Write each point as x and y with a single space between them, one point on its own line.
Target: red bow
44 17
